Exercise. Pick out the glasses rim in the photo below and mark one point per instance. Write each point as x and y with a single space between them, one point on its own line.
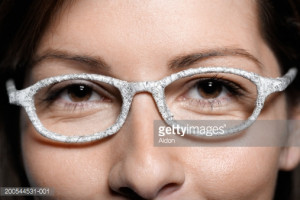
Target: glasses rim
25 98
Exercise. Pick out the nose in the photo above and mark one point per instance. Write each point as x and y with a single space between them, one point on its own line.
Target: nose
144 171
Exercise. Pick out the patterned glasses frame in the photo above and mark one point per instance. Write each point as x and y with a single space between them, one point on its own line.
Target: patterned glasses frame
25 97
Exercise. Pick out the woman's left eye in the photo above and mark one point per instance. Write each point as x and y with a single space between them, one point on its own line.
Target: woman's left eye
207 90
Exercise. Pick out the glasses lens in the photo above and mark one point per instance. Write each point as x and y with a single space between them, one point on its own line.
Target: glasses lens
211 97
78 107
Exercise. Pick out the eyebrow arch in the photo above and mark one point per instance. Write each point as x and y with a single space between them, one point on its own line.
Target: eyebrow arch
183 61
93 62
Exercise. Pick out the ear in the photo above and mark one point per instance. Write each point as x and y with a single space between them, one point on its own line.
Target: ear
290 155
289 158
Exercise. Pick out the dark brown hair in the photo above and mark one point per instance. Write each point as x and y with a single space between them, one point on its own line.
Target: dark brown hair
22 23
280 27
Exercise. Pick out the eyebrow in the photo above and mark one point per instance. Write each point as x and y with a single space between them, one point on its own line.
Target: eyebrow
91 61
183 61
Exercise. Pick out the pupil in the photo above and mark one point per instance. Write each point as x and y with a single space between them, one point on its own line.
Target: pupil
209 89
79 93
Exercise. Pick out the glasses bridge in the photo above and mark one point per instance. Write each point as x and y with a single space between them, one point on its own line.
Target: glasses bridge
145 86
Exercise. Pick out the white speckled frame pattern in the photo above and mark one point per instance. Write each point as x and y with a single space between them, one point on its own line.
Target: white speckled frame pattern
25 98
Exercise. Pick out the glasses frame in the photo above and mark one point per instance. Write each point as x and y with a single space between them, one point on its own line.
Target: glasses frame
25 98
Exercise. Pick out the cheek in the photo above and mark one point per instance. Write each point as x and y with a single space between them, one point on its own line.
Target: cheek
71 171
234 172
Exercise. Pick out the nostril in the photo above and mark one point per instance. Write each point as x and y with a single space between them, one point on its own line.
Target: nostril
129 193
168 189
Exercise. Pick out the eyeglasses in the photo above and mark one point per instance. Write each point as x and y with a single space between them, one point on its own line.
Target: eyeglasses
77 108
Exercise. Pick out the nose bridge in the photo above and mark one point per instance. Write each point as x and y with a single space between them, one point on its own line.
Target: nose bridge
143 169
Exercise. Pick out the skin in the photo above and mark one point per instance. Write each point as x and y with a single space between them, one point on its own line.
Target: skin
138 39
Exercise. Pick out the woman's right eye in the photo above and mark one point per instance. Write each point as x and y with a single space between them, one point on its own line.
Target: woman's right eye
90 105
75 94
80 93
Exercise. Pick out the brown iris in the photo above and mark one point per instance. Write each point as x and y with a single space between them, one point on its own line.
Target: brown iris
209 89
79 93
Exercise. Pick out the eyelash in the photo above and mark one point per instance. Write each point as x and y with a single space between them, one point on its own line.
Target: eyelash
53 95
234 91
232 87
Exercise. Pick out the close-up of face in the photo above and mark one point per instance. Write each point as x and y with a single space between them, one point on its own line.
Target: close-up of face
139 41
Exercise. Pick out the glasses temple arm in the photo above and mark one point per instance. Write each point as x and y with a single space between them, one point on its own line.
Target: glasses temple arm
12 92
285 80
271 85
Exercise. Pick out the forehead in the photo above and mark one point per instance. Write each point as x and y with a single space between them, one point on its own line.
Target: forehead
147 23
135 32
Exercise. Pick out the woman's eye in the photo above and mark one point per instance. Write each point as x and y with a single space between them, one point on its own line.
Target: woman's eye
211 95
80 93
76 94
207 89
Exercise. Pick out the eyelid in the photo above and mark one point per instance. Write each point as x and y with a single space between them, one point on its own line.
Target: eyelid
237 87
56 89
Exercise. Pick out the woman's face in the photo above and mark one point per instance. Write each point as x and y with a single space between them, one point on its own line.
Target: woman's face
138 40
